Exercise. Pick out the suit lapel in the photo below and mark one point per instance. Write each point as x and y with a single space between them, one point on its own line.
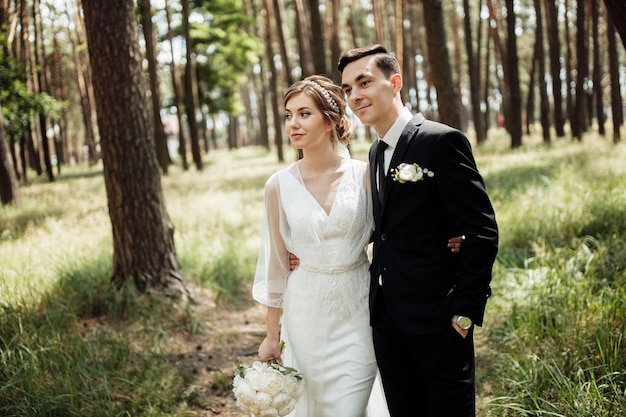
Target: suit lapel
408 133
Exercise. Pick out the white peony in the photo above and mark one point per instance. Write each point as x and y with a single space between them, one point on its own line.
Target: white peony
267 388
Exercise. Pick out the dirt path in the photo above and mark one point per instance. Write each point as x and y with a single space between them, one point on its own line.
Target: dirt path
229 334
234 334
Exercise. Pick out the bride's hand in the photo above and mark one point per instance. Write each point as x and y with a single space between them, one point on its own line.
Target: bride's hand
269 349
294 261
454 243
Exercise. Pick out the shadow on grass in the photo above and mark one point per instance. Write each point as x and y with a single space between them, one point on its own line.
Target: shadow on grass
86 173
14 224
87 349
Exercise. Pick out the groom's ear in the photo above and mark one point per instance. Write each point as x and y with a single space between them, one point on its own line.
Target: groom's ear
396 81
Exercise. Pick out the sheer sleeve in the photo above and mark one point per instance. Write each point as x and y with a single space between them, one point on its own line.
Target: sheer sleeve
272 271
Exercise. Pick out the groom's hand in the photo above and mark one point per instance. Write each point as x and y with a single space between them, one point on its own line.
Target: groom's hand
454 243
458 329
294 261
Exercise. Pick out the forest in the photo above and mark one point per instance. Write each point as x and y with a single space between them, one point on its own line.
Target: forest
218 69
136 137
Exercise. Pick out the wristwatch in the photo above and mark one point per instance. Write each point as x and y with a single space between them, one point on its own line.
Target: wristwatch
463 321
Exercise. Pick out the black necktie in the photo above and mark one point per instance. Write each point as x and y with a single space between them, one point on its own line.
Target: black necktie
380 161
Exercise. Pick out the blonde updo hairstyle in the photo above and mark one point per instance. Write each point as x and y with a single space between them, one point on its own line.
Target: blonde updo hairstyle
329 100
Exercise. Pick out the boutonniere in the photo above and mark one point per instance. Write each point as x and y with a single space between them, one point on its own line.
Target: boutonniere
410 172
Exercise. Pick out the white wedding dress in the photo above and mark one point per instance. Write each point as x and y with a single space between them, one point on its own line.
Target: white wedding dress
325 321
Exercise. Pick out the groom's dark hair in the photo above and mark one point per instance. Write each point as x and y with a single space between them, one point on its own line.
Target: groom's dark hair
386 62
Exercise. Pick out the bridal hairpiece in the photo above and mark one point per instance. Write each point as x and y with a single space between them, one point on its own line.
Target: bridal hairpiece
324 92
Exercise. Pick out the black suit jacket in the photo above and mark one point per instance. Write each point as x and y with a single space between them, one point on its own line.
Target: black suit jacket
424 284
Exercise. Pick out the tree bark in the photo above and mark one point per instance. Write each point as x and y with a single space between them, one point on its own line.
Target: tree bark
335 42
616 98
39 83
569 104
617 12
143 236
9 187
544 105
304 42
178 101
552 26
160 142
191 95
597 69
273 96
282 32
29 143
317 33
258 80
473 66
441 70
511 64
379 25
85 86
578 123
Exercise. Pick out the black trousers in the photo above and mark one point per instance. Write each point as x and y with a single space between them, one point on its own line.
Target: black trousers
428 375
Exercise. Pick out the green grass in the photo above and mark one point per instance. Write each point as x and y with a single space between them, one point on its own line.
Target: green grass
553 342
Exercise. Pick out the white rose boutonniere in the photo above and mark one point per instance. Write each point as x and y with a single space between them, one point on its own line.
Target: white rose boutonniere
410 173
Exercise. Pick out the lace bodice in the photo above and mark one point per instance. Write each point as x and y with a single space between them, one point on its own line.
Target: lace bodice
295 222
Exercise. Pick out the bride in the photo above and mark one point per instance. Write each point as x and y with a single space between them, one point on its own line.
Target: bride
319 208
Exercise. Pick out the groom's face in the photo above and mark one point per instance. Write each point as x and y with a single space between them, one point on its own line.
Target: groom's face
369 93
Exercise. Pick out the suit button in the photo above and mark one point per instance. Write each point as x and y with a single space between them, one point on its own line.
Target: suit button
383 237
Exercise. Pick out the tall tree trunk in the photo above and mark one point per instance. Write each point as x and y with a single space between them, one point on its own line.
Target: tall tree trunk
304 42
617 12
411 49
258 79
457 72
318 47
616 98
335 41
515 110
578 124
398 34
569 103
273 96
544 104
9 188
62 144
473 66
191 96
487 80
352 25
530 101
597 68
281 32
495 23
441 70
160 142
379 22
176 87
143 236
39 83
552 25
85 86
25 56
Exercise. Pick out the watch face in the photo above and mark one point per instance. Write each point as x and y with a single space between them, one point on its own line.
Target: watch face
464 322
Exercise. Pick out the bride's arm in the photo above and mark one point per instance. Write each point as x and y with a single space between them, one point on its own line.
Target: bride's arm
270 347
272 271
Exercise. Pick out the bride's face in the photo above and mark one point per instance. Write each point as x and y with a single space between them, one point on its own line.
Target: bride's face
305 124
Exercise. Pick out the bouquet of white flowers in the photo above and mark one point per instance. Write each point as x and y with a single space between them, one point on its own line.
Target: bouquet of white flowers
267 388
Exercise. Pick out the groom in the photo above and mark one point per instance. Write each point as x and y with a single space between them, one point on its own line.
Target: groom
424 301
